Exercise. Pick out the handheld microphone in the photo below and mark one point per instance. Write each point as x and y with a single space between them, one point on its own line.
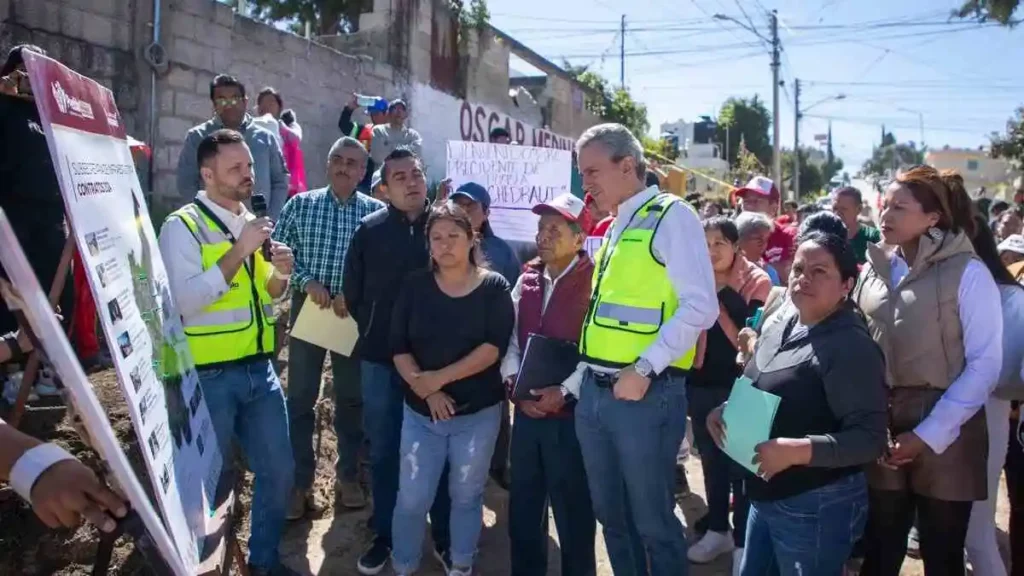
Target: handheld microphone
259 207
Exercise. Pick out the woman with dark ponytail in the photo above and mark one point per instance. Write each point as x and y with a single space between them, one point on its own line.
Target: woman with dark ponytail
982 549
808 501
933 306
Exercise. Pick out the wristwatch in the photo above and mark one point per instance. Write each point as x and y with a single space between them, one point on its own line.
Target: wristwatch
643 367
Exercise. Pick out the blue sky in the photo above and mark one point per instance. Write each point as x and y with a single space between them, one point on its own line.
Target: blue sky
896 62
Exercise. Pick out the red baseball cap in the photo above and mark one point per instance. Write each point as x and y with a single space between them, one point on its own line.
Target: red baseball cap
760 186
566 205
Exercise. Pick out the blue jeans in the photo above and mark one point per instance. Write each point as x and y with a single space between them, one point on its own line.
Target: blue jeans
629 451
247 405
382 419
466 443
305 366
810 533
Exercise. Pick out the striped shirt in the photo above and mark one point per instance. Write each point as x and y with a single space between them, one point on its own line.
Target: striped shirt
318 227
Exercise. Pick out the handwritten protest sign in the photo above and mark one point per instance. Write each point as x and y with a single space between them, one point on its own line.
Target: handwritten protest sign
517 178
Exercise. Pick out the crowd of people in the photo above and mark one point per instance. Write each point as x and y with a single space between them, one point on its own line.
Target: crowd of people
896 349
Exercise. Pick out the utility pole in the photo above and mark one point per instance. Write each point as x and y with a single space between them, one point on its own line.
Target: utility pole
776 65
622 53
796 139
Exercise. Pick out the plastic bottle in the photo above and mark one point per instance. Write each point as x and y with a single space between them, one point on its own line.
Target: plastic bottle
366 101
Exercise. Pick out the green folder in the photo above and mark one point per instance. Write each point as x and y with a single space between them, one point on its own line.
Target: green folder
748 417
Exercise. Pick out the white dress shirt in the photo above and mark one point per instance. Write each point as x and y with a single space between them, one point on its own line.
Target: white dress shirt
981 317
193 287
678 242
513 357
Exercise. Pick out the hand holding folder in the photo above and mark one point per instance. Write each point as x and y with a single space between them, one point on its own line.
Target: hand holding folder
546 362
748 416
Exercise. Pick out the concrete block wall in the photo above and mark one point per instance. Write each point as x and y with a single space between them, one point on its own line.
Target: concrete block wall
94 37
204 38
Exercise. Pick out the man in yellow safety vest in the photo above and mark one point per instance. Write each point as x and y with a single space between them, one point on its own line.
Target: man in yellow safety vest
653 294
224 285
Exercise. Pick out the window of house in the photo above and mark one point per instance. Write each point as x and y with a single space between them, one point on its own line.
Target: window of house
972 165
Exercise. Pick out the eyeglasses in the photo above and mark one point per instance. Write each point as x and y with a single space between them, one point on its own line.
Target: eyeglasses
225 102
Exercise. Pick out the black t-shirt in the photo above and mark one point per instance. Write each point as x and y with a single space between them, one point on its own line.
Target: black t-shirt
439 330
719 367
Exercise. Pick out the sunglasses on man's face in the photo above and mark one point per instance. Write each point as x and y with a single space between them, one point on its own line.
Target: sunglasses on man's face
226 102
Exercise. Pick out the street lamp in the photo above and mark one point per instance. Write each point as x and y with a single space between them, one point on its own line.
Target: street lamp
776 65
798 113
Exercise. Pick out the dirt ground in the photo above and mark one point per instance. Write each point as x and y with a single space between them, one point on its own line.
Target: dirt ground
325 543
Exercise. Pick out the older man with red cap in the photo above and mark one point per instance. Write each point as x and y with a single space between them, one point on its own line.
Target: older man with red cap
551 299
761 195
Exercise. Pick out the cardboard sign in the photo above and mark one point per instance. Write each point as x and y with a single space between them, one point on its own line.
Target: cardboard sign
517 178
108 216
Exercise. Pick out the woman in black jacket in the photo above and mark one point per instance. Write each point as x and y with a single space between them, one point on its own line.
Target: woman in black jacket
809 498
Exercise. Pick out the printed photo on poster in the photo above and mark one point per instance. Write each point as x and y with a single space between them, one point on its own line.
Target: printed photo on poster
114 309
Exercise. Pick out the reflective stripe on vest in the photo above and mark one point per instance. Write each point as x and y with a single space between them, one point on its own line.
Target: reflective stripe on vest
633 296
239 325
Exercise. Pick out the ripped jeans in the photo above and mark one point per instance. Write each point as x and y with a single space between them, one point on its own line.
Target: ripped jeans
466 443
809 534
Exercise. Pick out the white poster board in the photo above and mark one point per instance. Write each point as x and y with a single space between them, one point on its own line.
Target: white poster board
517 178
592 244
108 216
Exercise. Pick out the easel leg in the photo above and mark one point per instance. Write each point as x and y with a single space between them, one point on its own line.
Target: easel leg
28 379
132 526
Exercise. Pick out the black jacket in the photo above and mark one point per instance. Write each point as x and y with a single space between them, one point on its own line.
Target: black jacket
385 249
831 378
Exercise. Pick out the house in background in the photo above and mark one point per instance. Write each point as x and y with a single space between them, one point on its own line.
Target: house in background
978 169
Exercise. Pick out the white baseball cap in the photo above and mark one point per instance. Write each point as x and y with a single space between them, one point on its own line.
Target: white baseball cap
761 186
566 205
1013 243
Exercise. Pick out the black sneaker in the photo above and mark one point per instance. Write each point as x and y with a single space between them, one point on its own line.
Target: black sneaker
375 558
444 557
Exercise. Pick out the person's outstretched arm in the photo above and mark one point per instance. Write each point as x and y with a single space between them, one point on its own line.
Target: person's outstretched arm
61 490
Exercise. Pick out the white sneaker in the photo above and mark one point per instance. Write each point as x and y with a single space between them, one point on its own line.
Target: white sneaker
711 546
460 571
737 561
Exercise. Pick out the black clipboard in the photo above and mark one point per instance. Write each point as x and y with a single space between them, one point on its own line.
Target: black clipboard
546 362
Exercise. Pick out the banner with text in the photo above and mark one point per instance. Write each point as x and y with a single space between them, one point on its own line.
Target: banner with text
517 179
110 222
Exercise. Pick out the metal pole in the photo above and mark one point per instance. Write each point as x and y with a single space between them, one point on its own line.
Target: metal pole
920 119
796 140
622 53
726 145
776 151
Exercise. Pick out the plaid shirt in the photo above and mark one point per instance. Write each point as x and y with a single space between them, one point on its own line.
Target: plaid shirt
318 227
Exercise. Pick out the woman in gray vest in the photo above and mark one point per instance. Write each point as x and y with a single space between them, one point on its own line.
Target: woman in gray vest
935 310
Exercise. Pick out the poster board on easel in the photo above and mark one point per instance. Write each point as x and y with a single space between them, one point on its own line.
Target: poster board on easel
110 225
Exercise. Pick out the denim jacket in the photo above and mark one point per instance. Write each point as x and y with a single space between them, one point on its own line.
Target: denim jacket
268 162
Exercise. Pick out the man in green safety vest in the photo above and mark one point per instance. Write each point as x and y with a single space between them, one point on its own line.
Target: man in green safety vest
224 283
653 294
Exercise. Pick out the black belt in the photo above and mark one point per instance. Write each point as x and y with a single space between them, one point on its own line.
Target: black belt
603 380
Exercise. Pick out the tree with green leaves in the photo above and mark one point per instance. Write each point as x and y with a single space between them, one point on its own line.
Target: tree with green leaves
1011 145
892 156
613 105
811 178
329 17
987 10
747 120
